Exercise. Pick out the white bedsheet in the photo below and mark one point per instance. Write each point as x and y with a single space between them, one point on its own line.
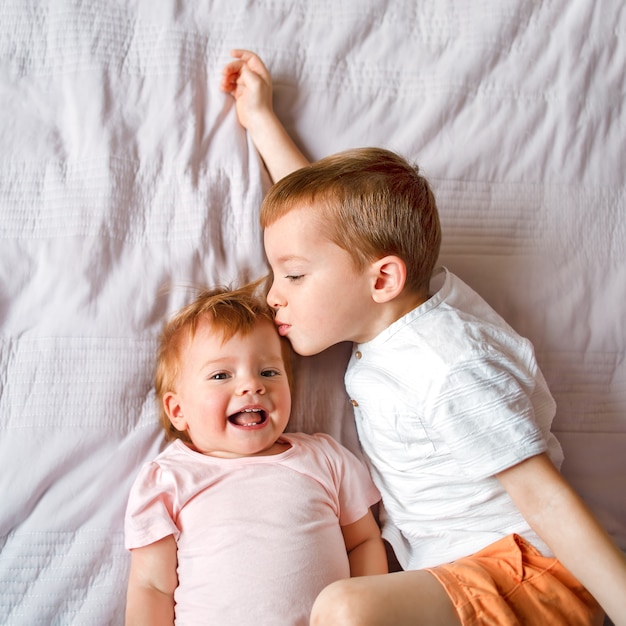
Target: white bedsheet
125 181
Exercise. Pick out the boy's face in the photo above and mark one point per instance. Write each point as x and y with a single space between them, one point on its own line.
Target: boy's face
233 398
319 296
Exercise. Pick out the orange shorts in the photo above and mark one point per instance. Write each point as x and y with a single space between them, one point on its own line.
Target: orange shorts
510 583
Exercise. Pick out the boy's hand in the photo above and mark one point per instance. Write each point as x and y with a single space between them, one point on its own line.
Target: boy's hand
249 82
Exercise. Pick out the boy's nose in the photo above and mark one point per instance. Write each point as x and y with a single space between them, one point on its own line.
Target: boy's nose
274 299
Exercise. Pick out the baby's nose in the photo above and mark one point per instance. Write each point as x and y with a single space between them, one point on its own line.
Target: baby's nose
252 384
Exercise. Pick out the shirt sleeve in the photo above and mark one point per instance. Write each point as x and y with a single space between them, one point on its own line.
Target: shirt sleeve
483 411
356 492
151 509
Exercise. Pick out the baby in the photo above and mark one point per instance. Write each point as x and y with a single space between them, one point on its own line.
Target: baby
236 522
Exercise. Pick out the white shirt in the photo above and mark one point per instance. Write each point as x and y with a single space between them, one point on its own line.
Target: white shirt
257 537
445 398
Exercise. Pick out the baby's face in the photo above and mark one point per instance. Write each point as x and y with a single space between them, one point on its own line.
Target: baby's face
319 296
232 397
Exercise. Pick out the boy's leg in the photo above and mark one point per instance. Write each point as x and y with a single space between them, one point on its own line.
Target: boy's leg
412 598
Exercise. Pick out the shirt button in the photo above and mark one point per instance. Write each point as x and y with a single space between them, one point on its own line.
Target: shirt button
354 403
358 354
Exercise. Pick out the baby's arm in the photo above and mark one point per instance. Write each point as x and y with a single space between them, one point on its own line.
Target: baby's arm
249 82
564 522
151 584
365 547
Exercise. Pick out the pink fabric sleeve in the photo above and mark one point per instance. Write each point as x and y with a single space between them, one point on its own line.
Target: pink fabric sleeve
356 492
151 509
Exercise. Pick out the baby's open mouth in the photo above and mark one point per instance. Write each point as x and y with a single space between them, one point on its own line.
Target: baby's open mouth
248 417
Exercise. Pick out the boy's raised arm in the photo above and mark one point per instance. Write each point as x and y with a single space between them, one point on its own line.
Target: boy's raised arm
249 82
559 516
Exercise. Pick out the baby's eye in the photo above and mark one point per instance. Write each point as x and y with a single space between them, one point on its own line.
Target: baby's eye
219 376
294 278
269 373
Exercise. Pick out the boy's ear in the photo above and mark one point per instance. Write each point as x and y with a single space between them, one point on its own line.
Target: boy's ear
174 411
389 278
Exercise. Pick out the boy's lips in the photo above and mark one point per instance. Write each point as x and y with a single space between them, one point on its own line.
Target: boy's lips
283 329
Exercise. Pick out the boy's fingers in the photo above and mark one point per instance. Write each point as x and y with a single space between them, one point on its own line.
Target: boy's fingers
257 66
252 60
250 78
240 53
230 75
234 67
229 81
247 70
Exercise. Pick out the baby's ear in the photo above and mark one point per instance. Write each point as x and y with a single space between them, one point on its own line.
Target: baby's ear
174 411
389 278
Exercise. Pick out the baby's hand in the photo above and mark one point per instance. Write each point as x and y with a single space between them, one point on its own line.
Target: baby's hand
249 82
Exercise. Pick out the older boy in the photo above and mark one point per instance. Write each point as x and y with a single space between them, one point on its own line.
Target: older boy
451 408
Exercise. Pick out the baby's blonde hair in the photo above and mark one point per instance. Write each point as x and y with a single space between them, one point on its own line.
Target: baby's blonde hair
370 202
230 312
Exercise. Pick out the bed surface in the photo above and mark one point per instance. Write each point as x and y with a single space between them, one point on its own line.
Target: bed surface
126 183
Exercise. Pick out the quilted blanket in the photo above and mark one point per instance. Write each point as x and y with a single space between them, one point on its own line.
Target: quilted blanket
126 183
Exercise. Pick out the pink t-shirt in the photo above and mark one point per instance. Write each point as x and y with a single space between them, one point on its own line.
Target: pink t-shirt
258 537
